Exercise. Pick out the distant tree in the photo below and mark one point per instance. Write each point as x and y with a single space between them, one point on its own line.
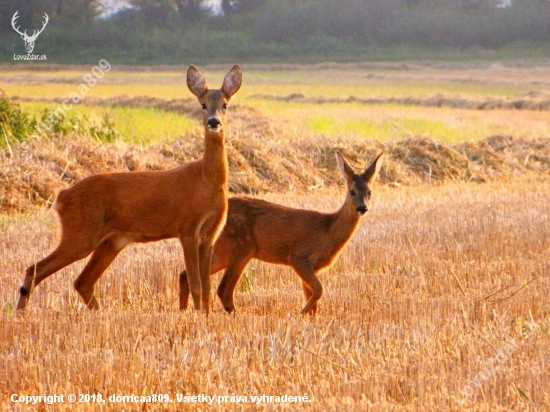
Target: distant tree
76 12
478 4
154 12
162 12
190 10
542 3
230 7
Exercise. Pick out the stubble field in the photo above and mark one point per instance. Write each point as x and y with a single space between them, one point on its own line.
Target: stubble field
439 302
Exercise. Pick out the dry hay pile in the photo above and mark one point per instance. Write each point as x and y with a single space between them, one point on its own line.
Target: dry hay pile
32 173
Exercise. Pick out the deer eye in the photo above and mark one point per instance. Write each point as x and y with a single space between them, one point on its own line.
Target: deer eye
352 192
203 106
369 193
224 106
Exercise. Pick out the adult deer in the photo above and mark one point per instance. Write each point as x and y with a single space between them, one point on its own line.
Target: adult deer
306 240
29 40
103 213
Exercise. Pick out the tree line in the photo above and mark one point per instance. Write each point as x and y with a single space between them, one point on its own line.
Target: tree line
165 31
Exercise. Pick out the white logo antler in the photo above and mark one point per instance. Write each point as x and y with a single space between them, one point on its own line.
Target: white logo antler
29 40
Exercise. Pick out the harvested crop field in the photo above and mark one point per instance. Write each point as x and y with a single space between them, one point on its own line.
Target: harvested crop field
439 301
436 283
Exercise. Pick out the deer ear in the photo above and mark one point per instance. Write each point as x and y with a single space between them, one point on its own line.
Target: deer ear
371 172
345 169
196 81
232 81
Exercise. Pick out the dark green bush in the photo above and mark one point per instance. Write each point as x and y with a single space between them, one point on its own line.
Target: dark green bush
14 123
16 126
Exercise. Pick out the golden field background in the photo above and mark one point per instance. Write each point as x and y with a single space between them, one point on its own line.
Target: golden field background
448 268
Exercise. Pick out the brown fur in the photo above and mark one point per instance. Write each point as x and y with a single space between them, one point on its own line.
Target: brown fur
306 240
103 213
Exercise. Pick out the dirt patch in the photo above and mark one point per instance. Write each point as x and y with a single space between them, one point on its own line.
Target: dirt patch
32 173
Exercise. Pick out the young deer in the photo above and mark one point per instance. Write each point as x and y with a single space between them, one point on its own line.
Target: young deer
105 212
306 240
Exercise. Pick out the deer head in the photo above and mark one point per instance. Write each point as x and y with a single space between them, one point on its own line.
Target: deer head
29 40
213 101
358 184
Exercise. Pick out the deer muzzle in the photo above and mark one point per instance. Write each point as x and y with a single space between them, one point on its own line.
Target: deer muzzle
214 124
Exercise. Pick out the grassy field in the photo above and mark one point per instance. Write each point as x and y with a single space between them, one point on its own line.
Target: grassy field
475 83
439 302
135 125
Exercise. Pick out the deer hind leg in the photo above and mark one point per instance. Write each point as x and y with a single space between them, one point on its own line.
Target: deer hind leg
218 263
102 257
230 278
305 270
62 256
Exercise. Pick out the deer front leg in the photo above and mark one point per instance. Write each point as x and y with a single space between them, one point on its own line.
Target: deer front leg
230 278
304 269
191 255
184 290
209 230
205 261
307 295
218 262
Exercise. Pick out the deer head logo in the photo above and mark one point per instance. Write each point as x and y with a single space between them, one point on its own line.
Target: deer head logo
29 40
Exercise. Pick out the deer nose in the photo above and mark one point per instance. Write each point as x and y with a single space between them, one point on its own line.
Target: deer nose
362 209
213 123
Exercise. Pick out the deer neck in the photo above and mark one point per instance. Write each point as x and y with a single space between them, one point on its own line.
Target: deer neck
344 222
215 156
